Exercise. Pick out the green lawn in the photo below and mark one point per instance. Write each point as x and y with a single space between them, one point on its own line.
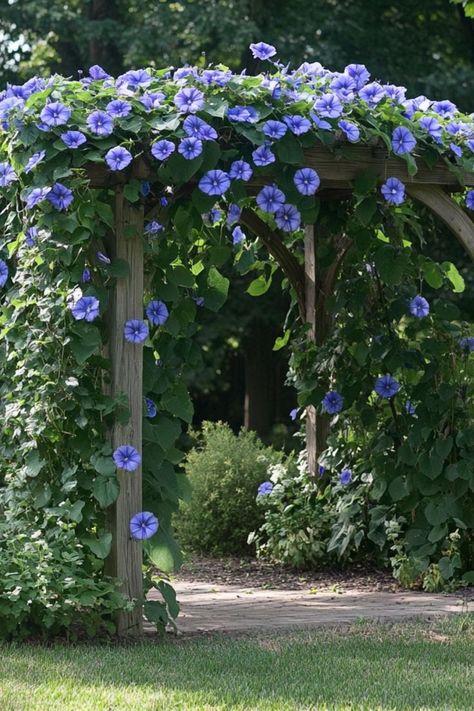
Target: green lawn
389 667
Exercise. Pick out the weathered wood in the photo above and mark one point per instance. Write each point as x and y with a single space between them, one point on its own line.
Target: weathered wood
310 314
336 167
452 214
125 560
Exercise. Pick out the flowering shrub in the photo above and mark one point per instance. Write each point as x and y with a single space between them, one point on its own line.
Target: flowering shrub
184 144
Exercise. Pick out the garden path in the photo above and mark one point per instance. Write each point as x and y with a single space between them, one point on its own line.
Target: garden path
210 607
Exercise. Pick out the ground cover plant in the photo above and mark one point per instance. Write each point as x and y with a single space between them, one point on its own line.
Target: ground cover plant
215 159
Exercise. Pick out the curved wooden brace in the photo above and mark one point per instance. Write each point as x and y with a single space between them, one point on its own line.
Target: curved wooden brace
290 266
452 214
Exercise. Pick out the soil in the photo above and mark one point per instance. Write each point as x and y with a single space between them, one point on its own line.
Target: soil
251 573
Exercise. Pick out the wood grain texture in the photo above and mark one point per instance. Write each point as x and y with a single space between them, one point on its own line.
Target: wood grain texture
448 211
310 304
127 378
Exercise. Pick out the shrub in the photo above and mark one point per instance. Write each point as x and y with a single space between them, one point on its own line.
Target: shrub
224 470
298 517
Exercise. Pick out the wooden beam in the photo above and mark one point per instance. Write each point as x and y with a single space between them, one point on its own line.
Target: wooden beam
452 214
336 167
310 315
125 560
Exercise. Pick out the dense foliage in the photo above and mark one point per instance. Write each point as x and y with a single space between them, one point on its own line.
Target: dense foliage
185 144
224 471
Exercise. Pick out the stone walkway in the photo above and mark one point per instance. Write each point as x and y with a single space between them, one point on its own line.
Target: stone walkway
225 608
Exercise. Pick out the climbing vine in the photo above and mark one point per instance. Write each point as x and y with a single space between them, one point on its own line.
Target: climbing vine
217 160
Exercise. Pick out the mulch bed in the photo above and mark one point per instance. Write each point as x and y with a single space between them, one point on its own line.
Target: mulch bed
251 573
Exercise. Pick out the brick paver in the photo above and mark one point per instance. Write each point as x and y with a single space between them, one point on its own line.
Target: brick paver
224 608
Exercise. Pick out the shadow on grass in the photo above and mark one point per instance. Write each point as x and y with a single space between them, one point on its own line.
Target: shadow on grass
372 667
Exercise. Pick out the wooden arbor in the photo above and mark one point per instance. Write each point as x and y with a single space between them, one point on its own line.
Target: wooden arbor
432 187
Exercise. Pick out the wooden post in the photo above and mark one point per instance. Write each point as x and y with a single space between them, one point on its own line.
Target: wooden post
125 560
317 426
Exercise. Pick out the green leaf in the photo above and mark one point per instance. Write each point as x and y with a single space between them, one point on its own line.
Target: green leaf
365 182
215 295
436 514
85 341
166 123
169 596
390 264
155 612
282 341
398 488
443 447
33 464
163 551
164 431
105 490
99 546
75 512
131 190
259 286
454 277
178 402
433 274
366 210
288 150
104 465
446 567
119 268
183 221
216 106
437 533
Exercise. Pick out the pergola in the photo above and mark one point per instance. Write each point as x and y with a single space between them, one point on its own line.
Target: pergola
312 285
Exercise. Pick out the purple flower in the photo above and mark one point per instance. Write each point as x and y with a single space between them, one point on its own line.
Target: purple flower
238 235
432 127
403 141
288 218
358 73
233 214
153 227
194 126
35 159
410 407
97 73
263 156
344 86
145 188
151 408
240 170
3 273
135 331
262 50
118 108
307 181
31 236
265 488
118 158
386 386
189 100
86 276
86 308
151 100
345 477
161 150
350 129
419 307
214 182
103 258
55 114
36 196
372 93
163 201
293 414
444 108
321 470
157 312
143 525
134 79
190 147
332 402
274 129
393 191
73 139
198 300
456 150
470 200
7 175
127 457
270 198
215 215
100 123
466 343
60 196
328 105
297 124
243 114
320 123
